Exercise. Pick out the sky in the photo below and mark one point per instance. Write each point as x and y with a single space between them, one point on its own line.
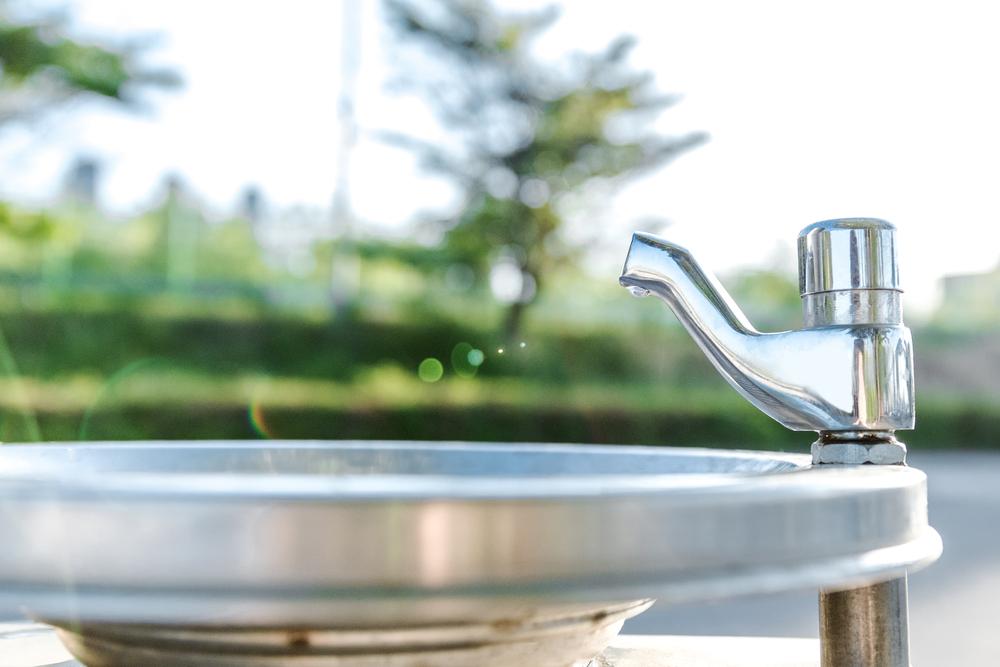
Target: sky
815 111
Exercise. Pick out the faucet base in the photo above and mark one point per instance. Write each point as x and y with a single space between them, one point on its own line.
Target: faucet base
858 447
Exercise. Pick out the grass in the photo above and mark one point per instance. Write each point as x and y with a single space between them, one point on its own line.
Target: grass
151 401
151 383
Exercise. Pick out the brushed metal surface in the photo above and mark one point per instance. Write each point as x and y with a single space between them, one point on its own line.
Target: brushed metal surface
865 627
545 637
34 645
389 534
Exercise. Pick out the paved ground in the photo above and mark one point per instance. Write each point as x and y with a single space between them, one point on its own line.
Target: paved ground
954 604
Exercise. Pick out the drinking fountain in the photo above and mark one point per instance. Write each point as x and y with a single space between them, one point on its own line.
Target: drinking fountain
847 374
396 554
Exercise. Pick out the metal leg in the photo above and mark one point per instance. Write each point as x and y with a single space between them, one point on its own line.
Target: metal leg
865 627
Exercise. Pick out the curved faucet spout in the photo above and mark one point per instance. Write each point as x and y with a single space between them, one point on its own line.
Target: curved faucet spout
827 378
655 265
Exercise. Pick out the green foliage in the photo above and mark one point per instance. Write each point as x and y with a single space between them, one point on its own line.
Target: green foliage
421 257
76 250
28 226
136 374
528 134
771 298
42 66
48 343
27 51
230 251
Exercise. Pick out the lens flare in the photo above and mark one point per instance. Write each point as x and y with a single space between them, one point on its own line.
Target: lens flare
430 370
108 389
255 415
460 361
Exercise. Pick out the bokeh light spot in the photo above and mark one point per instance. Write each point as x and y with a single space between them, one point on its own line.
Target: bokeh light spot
430 370
476 357
461 362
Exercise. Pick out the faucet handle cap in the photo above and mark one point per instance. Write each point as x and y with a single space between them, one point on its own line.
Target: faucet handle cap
848 254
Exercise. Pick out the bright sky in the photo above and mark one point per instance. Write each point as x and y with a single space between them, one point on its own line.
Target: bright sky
884 109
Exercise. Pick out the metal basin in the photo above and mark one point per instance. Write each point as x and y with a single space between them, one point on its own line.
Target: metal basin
344 553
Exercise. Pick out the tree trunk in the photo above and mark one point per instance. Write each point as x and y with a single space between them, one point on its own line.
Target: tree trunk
515 311
513 319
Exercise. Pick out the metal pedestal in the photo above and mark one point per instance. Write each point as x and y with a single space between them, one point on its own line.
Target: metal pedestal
865 627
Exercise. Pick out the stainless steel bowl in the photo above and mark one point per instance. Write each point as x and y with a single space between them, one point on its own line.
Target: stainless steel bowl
131 544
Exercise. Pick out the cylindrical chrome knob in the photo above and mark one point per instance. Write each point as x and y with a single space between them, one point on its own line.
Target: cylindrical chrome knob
847 254
848 273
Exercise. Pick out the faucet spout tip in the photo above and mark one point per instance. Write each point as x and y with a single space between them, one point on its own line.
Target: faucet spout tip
646 252
632 283
637 291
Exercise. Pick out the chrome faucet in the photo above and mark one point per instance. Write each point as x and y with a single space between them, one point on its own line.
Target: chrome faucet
847 374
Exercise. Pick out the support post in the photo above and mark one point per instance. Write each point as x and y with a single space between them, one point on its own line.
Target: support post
865 627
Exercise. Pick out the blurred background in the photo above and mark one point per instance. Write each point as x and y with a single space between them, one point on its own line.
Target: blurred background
405 220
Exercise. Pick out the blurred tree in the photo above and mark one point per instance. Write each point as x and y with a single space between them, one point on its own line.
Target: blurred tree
770 297
526 134
42 67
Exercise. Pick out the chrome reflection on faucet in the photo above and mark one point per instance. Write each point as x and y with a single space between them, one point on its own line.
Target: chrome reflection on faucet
848 373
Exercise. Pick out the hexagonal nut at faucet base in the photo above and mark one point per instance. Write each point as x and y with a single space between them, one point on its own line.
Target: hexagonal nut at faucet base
854 453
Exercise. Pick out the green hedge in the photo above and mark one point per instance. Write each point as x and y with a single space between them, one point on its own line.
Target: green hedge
58 344
740 428
46 344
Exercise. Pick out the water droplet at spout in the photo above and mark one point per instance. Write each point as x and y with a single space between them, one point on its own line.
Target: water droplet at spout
635 290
